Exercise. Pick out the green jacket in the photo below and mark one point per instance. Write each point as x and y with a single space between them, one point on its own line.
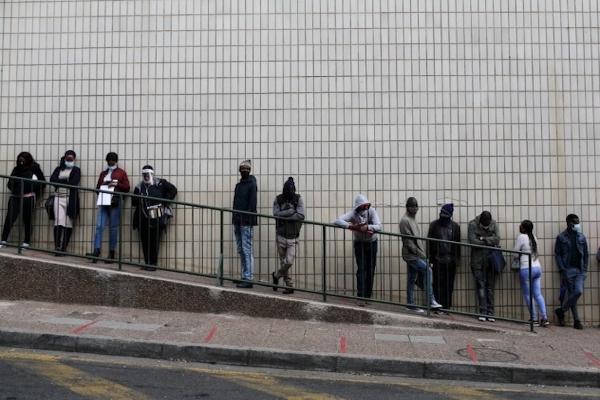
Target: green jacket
476 232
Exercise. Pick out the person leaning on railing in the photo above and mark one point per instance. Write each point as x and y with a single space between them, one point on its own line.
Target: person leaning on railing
364 222
26 168
66 200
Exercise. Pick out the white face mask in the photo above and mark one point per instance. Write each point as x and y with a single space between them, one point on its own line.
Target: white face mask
577 227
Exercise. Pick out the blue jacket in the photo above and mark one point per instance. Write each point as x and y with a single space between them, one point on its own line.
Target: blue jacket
562 250
245 199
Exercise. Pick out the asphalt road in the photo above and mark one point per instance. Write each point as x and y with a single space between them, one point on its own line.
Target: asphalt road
54 375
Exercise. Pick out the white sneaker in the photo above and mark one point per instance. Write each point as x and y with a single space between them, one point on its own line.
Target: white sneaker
482 319
415 310
491 319
2 244
25 244
435 304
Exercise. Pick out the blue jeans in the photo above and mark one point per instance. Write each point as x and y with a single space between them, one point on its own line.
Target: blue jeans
415 268
575 279
366 257
243 239
485 279
106 213
536 278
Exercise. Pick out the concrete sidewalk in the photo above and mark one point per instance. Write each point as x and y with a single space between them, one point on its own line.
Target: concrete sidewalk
506 353
67 304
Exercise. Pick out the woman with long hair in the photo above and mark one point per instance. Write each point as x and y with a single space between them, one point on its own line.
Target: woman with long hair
527 242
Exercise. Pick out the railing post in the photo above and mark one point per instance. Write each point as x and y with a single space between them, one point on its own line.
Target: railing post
428 273
21 209
221 250
324 264
121 203
530 295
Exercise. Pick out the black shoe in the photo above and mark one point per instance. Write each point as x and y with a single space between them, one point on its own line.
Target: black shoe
236 281
245 285
151 269
560 314
275 281
289 289
578 325
95 253
111 257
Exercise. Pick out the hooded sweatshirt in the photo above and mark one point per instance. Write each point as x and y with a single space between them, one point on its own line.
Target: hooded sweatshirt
368 217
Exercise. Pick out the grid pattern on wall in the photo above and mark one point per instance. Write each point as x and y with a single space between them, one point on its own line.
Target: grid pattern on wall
491 104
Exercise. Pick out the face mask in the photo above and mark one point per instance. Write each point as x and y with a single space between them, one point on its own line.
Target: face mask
112 168
245 174
288 195
577 227
412 210
69 164
484 227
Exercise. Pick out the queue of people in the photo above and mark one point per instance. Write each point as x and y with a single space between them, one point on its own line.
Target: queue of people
437 265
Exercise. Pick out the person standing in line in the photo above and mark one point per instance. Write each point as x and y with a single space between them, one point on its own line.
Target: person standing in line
444 258
113 177
290 206
245 199
364 222
484 231
151 216
30 191
572 257
414 255
527 242
66 200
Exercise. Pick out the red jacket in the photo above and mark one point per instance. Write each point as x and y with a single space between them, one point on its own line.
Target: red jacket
118 174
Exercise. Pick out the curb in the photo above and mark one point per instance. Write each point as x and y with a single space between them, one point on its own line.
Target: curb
285 359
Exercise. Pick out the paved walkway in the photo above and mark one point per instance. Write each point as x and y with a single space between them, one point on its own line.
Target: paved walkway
454 349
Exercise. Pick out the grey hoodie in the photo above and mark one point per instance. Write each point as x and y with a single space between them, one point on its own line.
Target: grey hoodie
368 217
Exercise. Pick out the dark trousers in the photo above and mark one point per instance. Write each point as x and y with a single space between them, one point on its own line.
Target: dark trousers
485 279
150 235
443 282
14 209
366 256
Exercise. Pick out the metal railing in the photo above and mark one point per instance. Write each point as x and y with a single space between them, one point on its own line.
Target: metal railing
199 241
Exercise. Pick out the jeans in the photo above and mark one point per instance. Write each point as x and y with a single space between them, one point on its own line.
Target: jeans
415 268
575 279
485 278
443 282
536 278
366 257
243 239
286 248
106 213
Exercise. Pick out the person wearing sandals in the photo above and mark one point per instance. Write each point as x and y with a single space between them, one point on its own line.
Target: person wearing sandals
66 200
527 242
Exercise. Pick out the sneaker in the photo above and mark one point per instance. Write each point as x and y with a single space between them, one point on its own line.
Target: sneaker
289 289
435 304
481 318
577 325
415 310
275 281
560 314
360 303
438 312
491 319
544 322
2 244
245 285
535 323
25 244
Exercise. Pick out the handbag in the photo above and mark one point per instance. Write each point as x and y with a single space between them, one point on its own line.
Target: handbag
115 200
49 205
497 260
515 265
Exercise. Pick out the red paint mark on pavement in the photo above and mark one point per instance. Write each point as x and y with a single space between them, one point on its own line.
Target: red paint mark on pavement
551 329
343 344
592 358
82 327
452 317
472 353
210 335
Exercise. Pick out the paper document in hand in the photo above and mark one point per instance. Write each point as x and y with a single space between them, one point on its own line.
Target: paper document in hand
104 198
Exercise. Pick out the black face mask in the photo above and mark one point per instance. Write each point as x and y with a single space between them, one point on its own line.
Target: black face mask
245 174
288 195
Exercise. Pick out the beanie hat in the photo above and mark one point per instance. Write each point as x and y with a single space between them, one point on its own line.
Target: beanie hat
289 184
246 163
447 209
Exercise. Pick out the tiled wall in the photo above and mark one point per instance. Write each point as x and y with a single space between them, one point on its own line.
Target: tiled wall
491 104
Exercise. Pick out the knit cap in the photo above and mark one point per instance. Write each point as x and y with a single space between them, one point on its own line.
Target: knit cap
447 209
289 184
246 163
